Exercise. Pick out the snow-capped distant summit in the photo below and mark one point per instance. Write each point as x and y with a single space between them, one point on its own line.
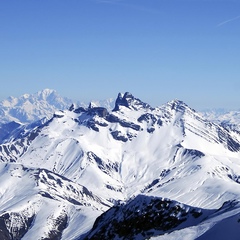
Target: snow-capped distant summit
47 94
37 107
228 119
32 107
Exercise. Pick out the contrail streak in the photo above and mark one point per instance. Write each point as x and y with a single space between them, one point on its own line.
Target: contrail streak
228 21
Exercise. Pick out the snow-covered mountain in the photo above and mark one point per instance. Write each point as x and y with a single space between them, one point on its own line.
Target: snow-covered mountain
135 160
32 107
29 108
35 109
228 119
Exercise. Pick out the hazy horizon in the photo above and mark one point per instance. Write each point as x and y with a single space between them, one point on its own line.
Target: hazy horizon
93 49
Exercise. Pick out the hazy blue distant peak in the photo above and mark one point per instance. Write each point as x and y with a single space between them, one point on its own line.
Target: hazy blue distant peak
46 93
31 107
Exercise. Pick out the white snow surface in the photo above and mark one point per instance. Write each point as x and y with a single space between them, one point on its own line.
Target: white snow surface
32 107
169 151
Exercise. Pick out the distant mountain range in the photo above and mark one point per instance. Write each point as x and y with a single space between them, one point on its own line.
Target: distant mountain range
229 119
122 171
30 108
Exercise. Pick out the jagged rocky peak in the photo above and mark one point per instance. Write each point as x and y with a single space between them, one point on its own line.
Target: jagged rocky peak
76 108
92 109
72 107
92 105
180 106
96 110
129 101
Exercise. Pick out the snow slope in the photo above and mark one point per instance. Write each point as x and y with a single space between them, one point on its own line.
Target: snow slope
169 151
38 203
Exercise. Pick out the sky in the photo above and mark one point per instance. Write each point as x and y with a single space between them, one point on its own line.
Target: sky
158 50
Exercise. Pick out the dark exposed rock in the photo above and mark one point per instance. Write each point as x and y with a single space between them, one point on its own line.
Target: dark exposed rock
159 122
72 107
91 124
99 111
224 137
114 188
58 115
147 117
107 168
144 217
149 186
7 129
114 119
151 130
129 101
118 136
180 106
60 223
45 194
13 226
80 110
193 152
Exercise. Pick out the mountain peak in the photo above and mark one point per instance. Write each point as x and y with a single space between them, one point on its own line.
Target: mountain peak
47 93
92 105
165 171
32 107
179 106
129 101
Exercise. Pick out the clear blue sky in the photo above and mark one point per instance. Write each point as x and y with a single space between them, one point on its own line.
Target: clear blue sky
158 50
